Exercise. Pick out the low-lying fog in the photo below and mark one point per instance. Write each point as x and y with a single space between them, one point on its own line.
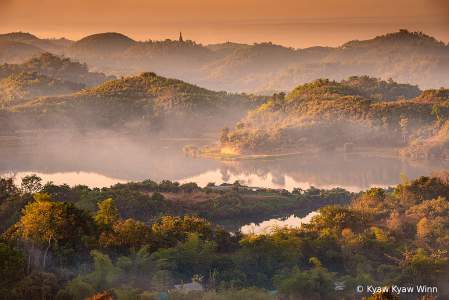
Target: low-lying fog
99 163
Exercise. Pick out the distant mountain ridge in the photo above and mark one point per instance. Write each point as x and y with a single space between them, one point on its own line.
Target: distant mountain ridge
407 57
264 68
238 69
32 40
99 44
18 48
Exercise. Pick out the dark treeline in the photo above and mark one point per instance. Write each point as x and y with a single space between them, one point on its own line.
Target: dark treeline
145 201
53 248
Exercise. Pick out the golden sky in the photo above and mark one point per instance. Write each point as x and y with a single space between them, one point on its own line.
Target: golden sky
237 20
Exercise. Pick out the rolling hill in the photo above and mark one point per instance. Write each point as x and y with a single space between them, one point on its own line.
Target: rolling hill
28 85
225 49
32 40
99 45
265 68
404 56
56 67
18 48
249 67
152 103
329 113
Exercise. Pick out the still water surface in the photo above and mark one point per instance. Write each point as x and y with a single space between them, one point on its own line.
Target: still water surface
99 163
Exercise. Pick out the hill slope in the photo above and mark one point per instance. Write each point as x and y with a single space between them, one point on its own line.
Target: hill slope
151 102
32 40
406 57
403 56
27 85
98 45
18 48
51 65
225 49
333 113
249 67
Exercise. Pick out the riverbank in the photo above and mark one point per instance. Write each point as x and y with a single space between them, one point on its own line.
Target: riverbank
235 157
307 151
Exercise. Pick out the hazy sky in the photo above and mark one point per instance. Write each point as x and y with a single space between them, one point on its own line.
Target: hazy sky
296 23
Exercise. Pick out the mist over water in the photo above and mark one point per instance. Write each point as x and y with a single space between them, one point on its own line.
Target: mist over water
104 162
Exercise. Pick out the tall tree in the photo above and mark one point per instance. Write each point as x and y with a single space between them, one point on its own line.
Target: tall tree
107 216
50 223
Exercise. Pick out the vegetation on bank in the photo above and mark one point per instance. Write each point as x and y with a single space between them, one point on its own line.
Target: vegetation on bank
145 201
56 249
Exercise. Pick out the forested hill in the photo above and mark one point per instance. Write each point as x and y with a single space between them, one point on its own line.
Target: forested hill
18 48
265 68
381 90
32 40
98 45
330 114
62 68
404 44
249 67
61 41
169 58
27 85
225 49
404 56
148 102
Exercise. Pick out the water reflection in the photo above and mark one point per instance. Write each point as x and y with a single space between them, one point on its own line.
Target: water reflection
354 173
71 178
98 163
267 226
119 160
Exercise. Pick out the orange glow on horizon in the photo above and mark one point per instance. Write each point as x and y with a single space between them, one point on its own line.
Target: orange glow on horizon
297 23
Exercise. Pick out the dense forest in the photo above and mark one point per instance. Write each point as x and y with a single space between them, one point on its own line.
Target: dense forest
59 68
58 243
149 102
28 85
334 114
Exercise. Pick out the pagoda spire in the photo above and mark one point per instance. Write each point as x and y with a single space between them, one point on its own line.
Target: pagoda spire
180 37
